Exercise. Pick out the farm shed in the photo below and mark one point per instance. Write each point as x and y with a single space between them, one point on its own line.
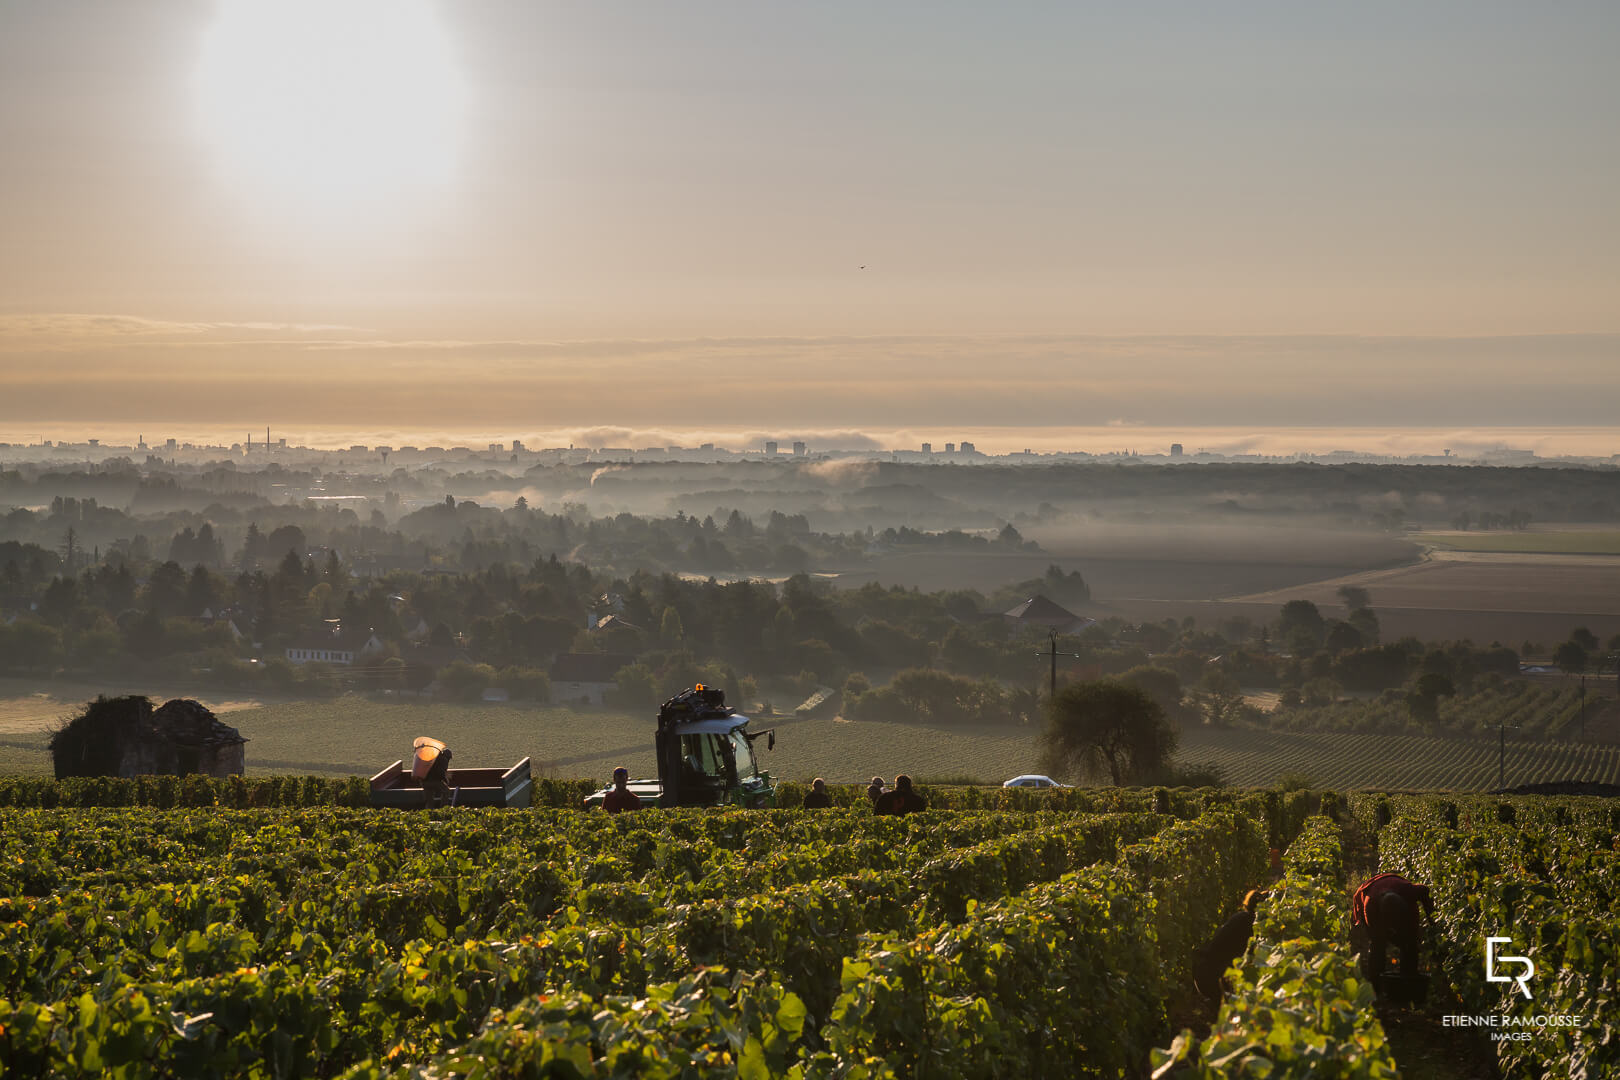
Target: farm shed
126 736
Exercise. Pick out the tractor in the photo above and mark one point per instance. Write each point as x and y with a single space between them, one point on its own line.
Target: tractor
705 756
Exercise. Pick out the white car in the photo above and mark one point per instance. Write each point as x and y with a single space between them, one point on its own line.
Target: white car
1031 780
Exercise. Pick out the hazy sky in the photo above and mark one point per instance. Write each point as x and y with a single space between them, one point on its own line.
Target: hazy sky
398 212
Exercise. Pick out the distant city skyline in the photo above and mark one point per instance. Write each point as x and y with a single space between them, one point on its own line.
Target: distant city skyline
1503 444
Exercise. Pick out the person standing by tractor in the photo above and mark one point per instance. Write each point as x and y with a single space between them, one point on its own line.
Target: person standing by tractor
621 797
875 789
817 798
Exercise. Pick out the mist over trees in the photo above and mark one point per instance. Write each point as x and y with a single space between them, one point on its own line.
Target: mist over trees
212 574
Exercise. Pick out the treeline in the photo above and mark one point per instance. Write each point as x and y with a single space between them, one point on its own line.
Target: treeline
500 626
78 533
895 654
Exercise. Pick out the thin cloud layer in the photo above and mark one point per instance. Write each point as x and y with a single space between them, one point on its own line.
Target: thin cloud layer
109 367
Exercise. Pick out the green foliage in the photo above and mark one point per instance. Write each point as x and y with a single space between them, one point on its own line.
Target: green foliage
1537 709
193 790
1109 728
1301 627
319 941
1571 656
923 695
1297 1006
1540 870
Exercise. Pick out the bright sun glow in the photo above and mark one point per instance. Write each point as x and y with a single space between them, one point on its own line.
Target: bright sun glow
331 102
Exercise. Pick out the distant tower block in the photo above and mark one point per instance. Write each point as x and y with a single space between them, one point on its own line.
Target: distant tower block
1175 449
798 449
928 448
950 448
770 449
967 447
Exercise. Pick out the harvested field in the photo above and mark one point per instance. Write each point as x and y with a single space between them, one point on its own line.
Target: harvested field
1576 585
1530 541
1177 559
1484 596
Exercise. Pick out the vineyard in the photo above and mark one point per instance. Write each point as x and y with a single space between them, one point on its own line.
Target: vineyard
327 941
1539 872
262 928
1531 709
1351 761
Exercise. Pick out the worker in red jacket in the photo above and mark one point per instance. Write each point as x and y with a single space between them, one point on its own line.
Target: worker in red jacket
1384 912
621 797
902 800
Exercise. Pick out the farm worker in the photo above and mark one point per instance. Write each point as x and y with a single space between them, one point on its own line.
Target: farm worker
1384 912
901 801
817 797
435 789
621 797
1211 959
875 789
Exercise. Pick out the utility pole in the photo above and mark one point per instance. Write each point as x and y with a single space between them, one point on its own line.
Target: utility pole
1583 708
1053 636
1053 654
1501 753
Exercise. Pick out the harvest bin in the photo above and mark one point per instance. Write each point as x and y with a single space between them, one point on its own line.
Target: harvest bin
395 786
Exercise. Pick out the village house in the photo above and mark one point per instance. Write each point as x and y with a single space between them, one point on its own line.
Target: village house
584 678
335 646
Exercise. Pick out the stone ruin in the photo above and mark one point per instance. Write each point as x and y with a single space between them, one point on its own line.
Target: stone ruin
126 736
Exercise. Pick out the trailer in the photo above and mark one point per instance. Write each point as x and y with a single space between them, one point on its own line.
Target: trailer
396 786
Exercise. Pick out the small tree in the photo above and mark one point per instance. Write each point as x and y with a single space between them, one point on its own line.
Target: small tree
1355 597
1301 627
1105 727
670 630
1222 697
1159 683
1570 657
1423 702
1342 637
1366 624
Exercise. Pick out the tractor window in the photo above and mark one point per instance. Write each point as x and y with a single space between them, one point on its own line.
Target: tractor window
744 755
698 753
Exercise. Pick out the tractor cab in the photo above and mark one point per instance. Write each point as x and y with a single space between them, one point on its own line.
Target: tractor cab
706 756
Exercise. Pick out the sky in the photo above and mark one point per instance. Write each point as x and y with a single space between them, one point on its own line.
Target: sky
390 214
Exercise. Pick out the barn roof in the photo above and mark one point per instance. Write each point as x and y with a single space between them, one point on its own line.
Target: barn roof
1040 609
